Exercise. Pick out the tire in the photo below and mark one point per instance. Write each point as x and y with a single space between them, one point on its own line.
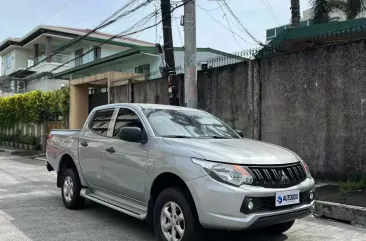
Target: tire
280 228
70 178
175 197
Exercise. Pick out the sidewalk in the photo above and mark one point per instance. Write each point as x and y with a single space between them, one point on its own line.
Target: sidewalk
18 152
347 205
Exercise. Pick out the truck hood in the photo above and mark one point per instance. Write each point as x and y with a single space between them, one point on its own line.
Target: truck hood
237 151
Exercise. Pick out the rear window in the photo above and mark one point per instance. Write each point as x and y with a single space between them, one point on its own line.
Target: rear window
101 121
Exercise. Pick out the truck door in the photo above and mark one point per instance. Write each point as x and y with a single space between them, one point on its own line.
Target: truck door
92 145
124 170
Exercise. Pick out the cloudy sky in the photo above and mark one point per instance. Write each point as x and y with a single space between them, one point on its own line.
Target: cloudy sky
18 17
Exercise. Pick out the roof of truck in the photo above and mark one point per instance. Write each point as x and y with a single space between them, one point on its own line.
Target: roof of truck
149 106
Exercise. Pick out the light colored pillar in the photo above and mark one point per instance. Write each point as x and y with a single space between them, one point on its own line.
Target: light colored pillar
48 48
79 105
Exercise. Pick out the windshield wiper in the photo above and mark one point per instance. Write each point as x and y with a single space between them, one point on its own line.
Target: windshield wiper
215 137
177 136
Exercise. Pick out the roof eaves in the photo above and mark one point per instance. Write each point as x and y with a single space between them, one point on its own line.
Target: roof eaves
98 62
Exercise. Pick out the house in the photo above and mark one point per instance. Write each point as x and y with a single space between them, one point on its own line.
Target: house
25 66
307 20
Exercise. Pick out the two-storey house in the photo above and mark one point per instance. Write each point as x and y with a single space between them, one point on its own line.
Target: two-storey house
25 66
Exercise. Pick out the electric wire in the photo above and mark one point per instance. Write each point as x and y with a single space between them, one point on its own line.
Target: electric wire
100 26
123 34
219 22
271 11
58 10
240 23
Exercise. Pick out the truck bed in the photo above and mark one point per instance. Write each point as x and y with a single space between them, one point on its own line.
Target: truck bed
61 142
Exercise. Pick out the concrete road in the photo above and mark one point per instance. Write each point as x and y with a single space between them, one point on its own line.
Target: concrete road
31 209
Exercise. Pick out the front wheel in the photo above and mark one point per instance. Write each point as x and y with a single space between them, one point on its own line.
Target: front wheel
174 217
70 190
280 228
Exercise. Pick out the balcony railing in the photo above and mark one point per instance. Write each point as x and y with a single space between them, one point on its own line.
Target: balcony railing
57 58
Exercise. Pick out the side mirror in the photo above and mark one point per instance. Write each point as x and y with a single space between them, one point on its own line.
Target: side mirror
131 134
240 133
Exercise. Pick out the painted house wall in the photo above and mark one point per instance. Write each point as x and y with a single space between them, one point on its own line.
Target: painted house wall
126 65
45 84
21 57
106 50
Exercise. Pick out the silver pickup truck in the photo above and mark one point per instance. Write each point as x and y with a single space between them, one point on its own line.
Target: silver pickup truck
181 170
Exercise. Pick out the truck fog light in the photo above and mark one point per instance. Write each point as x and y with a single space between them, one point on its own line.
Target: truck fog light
250 205
311 196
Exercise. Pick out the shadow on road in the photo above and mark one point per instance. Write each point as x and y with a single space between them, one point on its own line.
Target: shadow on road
45 218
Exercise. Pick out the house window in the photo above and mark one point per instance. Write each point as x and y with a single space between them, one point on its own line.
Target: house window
97 53
78 57
7 62
143 69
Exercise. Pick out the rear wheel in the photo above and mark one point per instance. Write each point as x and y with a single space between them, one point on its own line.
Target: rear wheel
174 217
70 189
280 228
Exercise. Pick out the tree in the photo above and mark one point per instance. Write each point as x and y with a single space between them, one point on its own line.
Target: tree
295 13
323 8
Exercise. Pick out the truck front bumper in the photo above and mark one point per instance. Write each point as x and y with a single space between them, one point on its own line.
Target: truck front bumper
219 205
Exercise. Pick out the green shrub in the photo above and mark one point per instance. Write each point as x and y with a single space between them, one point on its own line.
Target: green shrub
33 107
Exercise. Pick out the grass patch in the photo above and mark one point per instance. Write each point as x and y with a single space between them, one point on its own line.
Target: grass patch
351 186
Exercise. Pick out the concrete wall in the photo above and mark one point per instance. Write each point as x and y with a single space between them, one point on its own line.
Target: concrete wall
314 104
227 93
45 84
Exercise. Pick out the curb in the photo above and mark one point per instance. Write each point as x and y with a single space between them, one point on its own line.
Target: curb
19 152
11 152
352 214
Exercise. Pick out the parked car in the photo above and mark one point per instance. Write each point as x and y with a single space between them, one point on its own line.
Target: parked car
180 169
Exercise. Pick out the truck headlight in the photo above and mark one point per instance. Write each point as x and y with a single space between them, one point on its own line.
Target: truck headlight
228 173
306 168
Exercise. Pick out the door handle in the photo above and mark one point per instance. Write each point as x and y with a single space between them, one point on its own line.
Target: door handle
84 143
110 150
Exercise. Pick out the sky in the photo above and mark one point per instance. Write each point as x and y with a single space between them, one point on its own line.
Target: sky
19 17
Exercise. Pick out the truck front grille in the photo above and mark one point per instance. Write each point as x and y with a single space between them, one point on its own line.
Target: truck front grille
278 176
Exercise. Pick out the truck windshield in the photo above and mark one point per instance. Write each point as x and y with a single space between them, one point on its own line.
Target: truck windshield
187 124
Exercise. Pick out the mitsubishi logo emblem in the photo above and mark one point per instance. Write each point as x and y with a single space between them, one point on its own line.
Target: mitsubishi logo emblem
283 177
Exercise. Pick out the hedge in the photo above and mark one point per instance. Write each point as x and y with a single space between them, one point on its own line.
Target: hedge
33 107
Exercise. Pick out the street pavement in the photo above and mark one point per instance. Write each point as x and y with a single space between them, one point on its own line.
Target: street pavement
31 208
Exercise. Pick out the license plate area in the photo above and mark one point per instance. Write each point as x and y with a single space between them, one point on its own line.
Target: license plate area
287 198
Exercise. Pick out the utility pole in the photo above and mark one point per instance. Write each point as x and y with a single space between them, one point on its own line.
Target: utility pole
169 71
190 51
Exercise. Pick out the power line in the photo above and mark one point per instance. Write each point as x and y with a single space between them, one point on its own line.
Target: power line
147 18
220 6
271 11
230 26
58 10
118 11
240 23
100 26
223 24
180 35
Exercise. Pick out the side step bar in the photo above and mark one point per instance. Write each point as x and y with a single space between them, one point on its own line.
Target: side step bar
85 193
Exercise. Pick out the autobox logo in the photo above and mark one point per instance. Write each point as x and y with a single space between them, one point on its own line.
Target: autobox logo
279 199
